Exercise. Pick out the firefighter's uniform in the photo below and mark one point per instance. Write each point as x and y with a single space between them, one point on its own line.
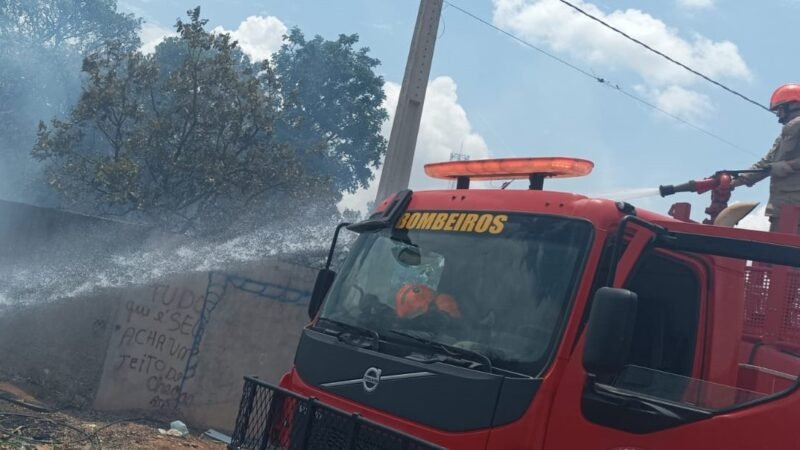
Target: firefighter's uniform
783 162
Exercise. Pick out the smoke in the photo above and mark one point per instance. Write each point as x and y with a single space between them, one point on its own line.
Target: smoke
36 83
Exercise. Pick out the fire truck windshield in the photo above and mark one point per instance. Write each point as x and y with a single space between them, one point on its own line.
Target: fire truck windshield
500 287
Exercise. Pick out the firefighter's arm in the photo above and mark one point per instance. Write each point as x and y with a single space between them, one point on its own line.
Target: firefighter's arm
766 162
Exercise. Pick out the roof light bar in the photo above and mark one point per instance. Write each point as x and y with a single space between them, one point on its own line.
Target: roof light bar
510 168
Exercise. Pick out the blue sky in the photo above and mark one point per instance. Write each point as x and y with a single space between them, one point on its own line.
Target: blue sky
491 96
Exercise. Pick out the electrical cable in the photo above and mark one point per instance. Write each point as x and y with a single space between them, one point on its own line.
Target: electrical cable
665 56
684 121
601 80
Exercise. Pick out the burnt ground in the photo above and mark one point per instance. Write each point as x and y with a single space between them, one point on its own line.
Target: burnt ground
26 423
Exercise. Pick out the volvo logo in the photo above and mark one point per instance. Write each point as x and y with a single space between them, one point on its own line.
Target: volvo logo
371 379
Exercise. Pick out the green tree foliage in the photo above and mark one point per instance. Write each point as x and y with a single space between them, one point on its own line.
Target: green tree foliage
197 137
193 149
333 107
42 43
80 24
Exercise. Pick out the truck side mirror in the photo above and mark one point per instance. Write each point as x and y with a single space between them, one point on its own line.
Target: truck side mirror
321 286
324 277
610 331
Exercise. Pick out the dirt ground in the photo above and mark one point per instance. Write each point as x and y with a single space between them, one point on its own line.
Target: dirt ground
28 424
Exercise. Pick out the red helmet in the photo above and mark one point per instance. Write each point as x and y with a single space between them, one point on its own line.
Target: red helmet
447 303
414 300
784 94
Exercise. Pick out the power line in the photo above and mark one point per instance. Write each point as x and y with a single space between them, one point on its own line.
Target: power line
665 56
683 121
523 42
601 80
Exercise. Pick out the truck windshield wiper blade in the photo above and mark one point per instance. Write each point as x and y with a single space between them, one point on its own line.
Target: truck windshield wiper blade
353 330
450 350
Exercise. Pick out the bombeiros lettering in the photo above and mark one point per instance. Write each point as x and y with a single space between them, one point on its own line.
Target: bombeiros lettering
453 221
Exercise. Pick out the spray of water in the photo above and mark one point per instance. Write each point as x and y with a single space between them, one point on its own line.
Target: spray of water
81 265
631 194
88 260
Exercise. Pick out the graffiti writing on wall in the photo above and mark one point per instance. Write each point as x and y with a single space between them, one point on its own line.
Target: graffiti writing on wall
154 341
157 337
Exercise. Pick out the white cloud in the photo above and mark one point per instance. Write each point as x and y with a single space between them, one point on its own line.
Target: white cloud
566 31
756 220
258 36
696 4
444 128
684 103
152 34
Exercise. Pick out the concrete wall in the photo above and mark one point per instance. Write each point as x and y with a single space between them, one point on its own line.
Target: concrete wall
176 347
254 330
185 343
150 344
179 347
58 349
30 232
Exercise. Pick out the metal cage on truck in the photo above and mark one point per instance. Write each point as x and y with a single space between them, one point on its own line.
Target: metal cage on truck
272 418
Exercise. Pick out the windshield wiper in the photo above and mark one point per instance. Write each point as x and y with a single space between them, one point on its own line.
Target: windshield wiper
450 350
354 331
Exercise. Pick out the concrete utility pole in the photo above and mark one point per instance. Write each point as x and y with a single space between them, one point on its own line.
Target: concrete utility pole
405 128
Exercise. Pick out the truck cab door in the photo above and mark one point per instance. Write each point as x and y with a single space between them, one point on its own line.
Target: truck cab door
679 379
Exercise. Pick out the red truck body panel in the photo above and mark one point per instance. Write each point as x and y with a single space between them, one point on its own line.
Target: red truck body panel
743 326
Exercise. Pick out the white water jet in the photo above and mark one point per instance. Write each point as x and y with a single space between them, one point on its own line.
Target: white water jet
631 194
79 266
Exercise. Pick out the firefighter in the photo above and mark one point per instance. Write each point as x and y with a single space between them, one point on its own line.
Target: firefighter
783 159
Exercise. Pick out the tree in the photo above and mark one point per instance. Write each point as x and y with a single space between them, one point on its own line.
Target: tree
193 149
83 25
197 136
332 107
42 43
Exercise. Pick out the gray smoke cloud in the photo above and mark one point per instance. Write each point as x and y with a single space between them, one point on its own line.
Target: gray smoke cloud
36 83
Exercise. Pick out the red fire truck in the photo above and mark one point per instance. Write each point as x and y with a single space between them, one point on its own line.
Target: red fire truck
534 319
